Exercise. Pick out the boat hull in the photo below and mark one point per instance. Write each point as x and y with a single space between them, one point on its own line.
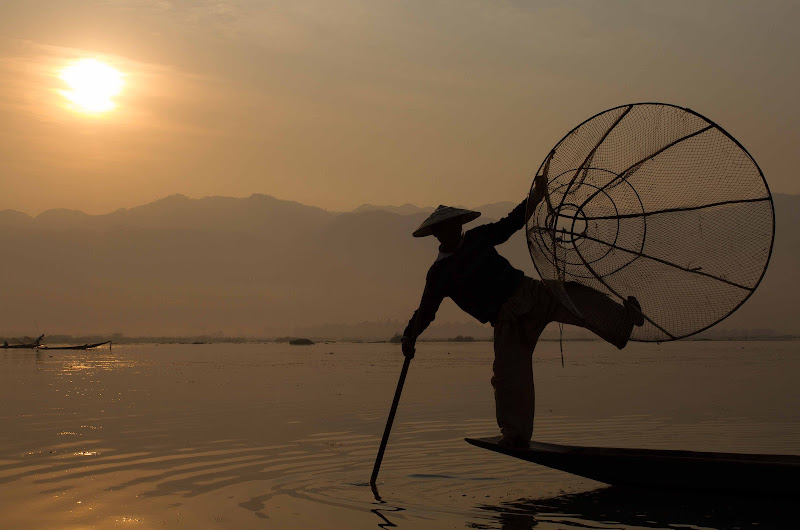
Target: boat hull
729 472
79 347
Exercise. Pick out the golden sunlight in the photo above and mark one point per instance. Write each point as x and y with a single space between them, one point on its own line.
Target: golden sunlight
92 85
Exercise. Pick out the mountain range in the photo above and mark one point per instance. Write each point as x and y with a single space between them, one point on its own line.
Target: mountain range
262 266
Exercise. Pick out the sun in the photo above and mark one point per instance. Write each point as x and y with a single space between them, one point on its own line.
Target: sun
92 85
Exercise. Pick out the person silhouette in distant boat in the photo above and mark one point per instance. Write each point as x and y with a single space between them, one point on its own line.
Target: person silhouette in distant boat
480 281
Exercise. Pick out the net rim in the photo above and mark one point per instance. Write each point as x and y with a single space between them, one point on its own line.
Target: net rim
715 125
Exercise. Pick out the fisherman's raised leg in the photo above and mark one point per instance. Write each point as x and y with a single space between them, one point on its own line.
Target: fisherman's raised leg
609 320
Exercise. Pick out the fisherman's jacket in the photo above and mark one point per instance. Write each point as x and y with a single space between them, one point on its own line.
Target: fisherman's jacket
474 276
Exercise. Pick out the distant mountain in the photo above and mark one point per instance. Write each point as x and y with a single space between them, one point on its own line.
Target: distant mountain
14 219
269 267
405 209
178 212
495 210
63 219
492 211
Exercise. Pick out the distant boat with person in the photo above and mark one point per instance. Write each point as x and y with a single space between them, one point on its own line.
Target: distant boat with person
77 347
30 344
24 345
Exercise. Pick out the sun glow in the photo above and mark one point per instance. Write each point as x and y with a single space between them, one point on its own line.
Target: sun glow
92 85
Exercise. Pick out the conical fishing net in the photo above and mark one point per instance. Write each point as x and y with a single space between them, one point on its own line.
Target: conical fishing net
657 202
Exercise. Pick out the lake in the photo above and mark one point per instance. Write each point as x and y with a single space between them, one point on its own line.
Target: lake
279 436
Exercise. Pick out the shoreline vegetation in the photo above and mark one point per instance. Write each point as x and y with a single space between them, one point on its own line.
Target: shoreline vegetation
118 338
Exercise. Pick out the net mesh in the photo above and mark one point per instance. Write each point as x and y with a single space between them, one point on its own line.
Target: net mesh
657 202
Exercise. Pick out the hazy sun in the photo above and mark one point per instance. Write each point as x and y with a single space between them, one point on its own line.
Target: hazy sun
92 85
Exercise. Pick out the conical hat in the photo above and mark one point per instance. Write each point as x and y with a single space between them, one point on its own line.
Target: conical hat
442 214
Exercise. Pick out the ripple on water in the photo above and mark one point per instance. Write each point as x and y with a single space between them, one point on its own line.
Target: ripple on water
429 474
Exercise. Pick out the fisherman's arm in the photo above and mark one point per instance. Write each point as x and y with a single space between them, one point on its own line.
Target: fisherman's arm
432 298
500 231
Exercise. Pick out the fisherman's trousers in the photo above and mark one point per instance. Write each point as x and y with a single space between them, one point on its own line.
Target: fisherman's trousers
517 327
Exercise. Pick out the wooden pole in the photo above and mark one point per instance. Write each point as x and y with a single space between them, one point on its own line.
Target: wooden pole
389 422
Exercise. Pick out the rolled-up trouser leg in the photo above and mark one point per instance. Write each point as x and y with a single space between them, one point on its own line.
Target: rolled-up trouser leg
513 380
517 327
603 316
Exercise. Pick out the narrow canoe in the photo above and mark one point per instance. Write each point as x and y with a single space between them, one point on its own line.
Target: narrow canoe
79 347
659 468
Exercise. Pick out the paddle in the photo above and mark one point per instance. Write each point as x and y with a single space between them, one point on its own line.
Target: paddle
389 424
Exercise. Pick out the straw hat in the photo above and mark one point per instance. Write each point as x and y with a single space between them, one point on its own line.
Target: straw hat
442 214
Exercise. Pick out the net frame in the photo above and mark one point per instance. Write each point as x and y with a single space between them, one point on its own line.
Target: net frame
539 244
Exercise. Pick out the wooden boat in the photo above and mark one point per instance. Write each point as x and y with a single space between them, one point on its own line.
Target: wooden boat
78 347
658 468
24 345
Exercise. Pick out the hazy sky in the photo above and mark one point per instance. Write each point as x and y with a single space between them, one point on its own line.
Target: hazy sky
337 103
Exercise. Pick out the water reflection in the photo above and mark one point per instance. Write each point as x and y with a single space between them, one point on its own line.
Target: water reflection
616 507
385 509
23 356
66 362
262 435
384 512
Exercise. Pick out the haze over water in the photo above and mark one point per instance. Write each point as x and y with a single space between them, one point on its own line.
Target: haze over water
279 436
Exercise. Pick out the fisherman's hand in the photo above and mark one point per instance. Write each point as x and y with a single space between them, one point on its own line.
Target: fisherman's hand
539 188
408 347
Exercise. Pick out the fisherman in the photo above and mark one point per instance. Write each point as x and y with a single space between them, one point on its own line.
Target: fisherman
481 282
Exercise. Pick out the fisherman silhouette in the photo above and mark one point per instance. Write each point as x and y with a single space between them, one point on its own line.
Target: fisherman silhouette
481 282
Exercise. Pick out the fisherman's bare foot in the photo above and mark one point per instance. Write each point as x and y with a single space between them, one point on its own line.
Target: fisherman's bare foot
634 310
633 318
513 442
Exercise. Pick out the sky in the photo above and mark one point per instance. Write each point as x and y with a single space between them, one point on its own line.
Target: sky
335 104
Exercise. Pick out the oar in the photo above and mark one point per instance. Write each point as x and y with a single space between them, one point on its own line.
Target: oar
389 423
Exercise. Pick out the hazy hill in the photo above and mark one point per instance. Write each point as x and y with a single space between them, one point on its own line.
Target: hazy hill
257 213
404 209
493 210
264 266
14 219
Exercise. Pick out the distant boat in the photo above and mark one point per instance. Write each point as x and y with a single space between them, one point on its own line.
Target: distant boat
77 347
16 346
24 345
301 342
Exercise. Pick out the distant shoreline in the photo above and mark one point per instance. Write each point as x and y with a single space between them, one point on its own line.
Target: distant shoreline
116 339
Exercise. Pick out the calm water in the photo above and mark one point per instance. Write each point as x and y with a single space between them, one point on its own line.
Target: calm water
277 436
